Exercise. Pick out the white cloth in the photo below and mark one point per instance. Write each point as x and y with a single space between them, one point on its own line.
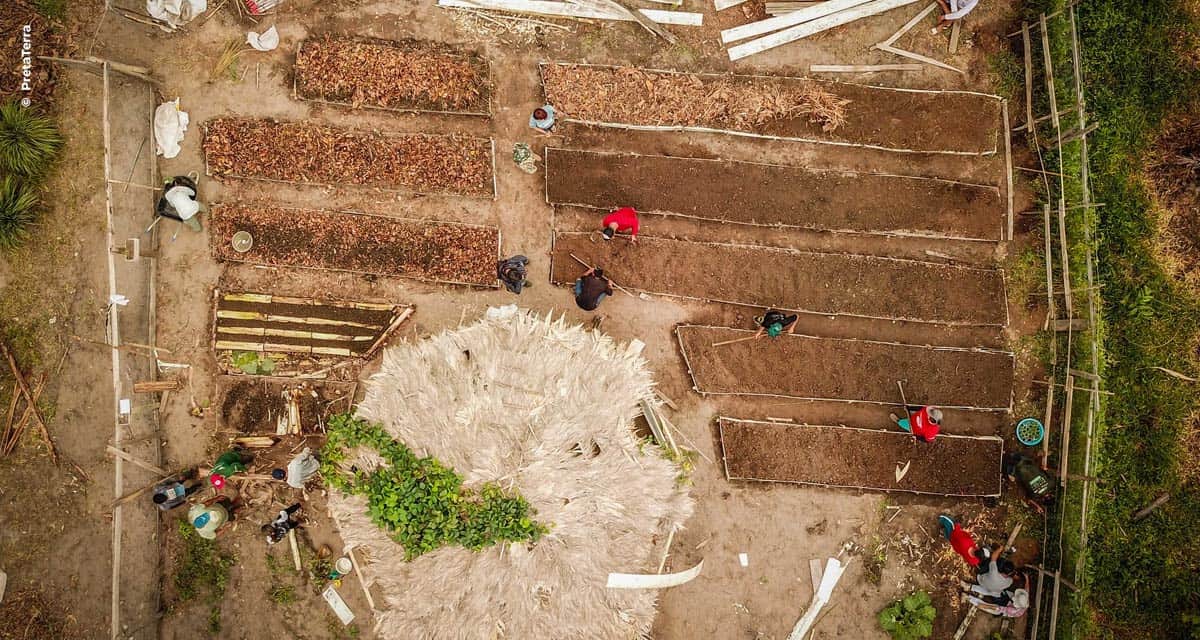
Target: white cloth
301 468
993 582
169 126
183 200
266 41
960 8
175 12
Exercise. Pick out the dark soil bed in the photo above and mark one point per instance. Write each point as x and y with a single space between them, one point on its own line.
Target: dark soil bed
44 40
295 325
776 106
312 154
824 283
344 241
405 75
254 405
860 458
836 369
763 194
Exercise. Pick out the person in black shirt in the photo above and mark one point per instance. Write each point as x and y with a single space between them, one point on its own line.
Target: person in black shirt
591 288
773 322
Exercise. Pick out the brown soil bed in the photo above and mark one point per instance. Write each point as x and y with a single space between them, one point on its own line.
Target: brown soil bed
794 108
764 194
253 405
258 322
826 283
405 75
311 154
838 369
345 241
45 40
860 458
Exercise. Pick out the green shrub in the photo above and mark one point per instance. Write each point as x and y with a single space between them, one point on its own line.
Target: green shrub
29 141
253 363
909 618
18 210
420 502
54 9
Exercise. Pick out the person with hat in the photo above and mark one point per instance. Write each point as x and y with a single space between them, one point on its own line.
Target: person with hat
211 517
773 322
173 491
1031 476
997 577
512 273
591 288
923 422
623 220
542 120
278 528
231 462
1012 603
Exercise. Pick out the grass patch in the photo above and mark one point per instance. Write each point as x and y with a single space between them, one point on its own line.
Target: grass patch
53 9
202 572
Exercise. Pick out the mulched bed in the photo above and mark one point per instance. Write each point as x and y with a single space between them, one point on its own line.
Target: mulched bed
860 458
45 41
795 108
308 153
838 369
255 405
293 325
363 243
405 75
764 194
825 283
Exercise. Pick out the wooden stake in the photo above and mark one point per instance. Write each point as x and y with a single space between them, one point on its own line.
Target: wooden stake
1066 445
1029 121
1049 265
1012 537
136 462
295 549
1046 424
1148 509
37 413
954 32
361 582
26 416
861 68
666 551
157 386
725 342
1008 172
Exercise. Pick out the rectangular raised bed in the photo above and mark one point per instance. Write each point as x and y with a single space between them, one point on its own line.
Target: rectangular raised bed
849 457
779 107
447 252
842 369
407 75
775 195
825 283
304 153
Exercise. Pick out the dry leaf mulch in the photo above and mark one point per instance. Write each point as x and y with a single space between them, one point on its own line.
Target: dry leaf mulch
308 153
44 40
363 243
642 97
392 75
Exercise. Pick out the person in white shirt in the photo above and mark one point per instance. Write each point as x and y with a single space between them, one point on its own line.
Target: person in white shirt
955 10
179 202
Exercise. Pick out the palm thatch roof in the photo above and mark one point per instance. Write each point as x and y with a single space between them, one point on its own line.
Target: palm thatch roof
545 409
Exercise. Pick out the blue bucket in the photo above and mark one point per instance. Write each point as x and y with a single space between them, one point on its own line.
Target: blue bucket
1030 432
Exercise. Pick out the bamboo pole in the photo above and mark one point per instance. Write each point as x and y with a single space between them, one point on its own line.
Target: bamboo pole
29 398
609 279
725 342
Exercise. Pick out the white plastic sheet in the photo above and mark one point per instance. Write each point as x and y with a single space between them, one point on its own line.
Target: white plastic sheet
652 580
170 123
176 12
265 41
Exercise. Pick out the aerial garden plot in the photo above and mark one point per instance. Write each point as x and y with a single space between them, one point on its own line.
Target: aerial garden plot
306 153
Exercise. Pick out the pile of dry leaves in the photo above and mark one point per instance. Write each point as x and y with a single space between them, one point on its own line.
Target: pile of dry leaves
636 96
393 75
357 242
309 153
44 40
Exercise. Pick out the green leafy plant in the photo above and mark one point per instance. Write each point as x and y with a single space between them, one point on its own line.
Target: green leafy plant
421 503
29 141
54 9
909 618
18 210
253 363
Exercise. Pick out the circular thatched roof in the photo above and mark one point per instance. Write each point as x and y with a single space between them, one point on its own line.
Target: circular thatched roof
544 409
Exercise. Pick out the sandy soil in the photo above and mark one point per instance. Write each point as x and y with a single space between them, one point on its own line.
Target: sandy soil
780 528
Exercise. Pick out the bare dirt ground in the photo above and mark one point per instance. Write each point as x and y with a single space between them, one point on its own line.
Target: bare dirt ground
779 527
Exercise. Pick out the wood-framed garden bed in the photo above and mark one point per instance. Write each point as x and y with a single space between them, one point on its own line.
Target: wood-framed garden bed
310 154
392 75
809 282
446 252
299 335
776 107
761 194
855 458
845 369
253 405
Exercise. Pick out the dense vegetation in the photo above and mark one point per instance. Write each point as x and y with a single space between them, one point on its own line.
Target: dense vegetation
420 502
1141 578
29 143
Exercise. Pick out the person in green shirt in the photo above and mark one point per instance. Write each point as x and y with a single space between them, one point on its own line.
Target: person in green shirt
231 462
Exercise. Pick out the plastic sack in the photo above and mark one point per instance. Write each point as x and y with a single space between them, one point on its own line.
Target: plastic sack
169 126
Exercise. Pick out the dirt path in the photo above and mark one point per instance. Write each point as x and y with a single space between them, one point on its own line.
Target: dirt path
765 194
836 284
860 458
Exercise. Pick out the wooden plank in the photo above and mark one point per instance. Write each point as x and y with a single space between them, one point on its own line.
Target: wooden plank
156 386
742 32
954 33
620 8
31 399
136 462
916 56
911 23
548 8
721 5
814 572
387 333
1008 169
1054 608
1066 428
1064 255
1073 324
861 68
295 550
1046 422
815 26
1050 312
780 8
966 622
1049 74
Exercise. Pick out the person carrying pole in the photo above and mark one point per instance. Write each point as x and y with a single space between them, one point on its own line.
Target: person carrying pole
623 220
591 288
960 540
773 322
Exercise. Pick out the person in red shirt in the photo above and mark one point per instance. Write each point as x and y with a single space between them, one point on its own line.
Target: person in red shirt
960 540
924 423
623 220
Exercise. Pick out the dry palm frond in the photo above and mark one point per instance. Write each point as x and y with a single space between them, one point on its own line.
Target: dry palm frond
544 409
227 62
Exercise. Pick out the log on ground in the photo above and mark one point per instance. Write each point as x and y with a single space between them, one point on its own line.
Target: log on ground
766 194
846 369
860 458
825 283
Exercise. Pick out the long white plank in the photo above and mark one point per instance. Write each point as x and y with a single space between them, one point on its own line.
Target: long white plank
788 19
550 8
725 4
816 26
